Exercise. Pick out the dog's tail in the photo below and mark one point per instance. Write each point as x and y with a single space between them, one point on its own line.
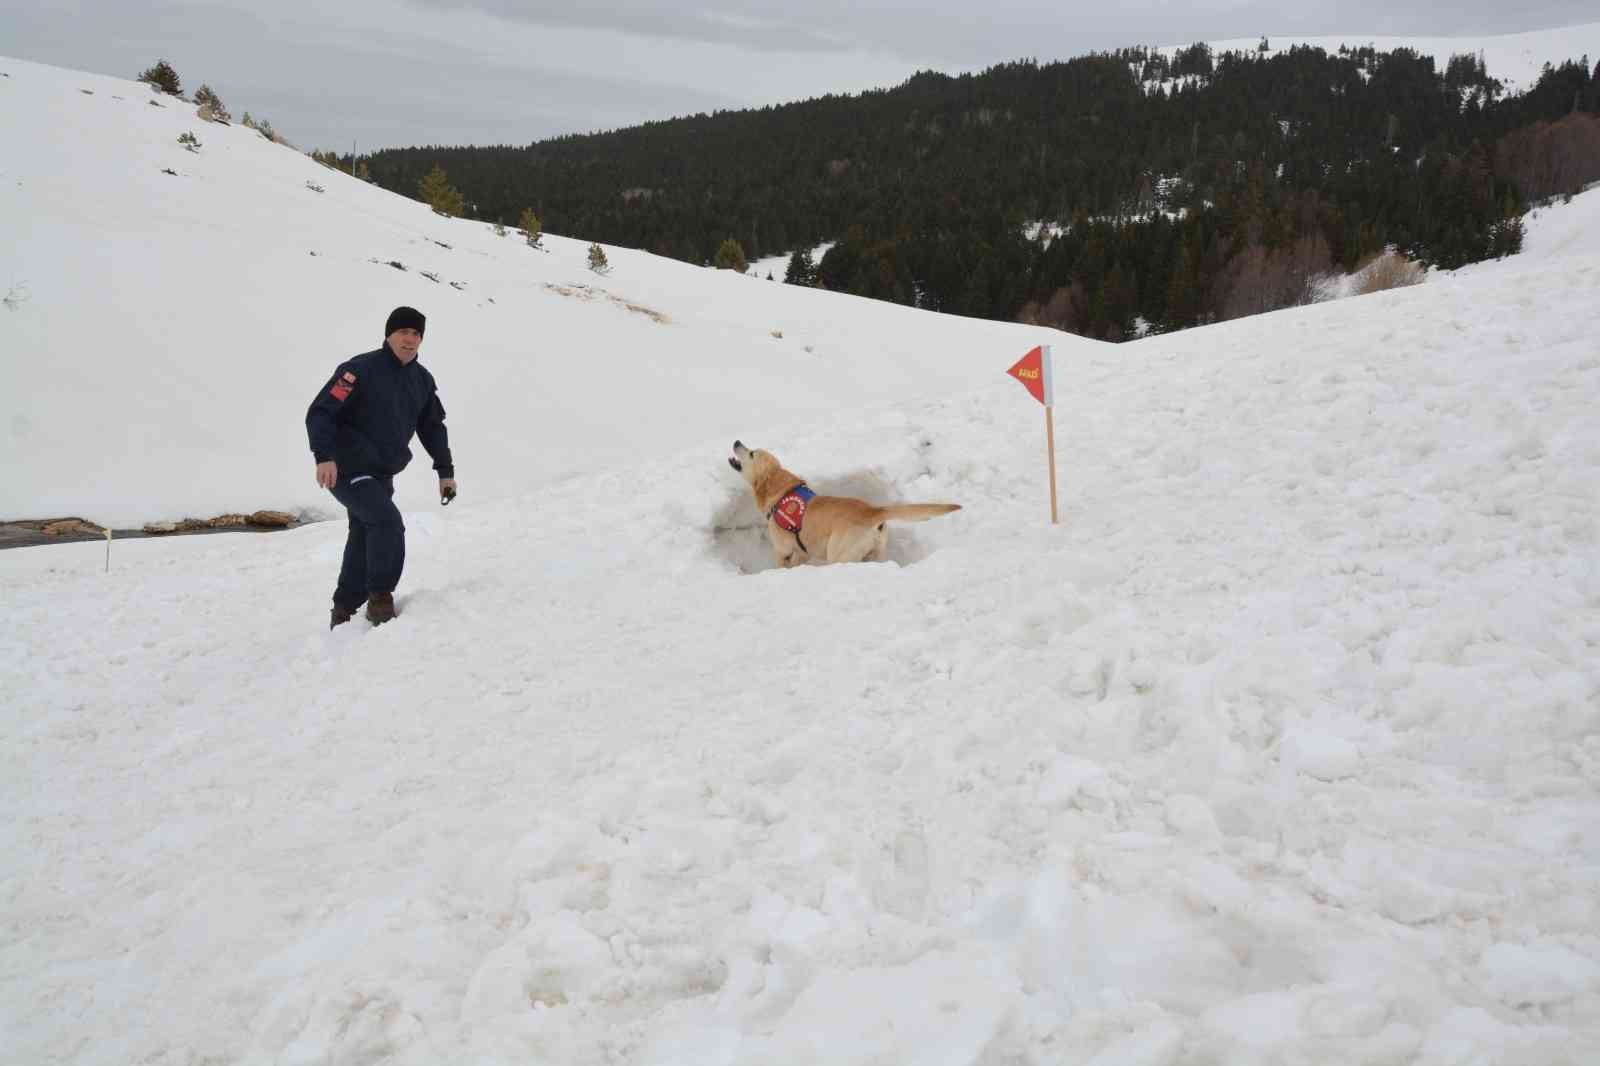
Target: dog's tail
915 512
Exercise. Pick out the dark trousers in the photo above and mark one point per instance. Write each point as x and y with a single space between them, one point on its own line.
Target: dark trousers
375 549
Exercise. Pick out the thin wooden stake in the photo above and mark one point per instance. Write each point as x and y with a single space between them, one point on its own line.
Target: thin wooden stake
1050 444
108 550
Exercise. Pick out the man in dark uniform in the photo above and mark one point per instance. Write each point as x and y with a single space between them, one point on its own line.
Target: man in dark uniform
360 427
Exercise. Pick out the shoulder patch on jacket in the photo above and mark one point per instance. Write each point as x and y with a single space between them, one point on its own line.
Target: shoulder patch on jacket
342 386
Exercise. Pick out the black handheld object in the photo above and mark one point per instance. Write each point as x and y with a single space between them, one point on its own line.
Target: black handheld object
446 495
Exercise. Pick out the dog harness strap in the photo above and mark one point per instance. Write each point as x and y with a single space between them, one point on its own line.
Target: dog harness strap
790 511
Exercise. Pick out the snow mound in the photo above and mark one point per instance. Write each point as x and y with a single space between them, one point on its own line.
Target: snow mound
1283 746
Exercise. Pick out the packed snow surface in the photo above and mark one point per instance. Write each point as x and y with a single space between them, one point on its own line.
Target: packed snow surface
1282 747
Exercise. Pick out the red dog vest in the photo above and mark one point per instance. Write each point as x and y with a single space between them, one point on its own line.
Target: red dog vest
790 510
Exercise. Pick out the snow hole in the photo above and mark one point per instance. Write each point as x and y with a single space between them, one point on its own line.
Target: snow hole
739 532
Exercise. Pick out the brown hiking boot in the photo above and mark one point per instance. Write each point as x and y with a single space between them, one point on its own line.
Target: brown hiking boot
340 615
380 607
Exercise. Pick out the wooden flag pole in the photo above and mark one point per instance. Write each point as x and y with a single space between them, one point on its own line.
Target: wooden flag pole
1047 369
1035 372
1050 443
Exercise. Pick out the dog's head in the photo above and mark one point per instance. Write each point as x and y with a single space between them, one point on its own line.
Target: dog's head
753 464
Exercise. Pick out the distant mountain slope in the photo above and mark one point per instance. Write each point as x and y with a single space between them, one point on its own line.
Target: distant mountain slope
925 187
1516 60
157 316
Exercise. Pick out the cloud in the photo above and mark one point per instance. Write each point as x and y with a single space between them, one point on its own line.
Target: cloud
997 30
752 24
408 72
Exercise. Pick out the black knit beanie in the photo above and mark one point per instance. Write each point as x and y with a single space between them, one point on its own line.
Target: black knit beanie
404 318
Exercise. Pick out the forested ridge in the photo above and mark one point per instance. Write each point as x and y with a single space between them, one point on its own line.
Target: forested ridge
1173 190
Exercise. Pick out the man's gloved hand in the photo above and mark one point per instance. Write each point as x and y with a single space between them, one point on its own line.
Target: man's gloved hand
447 490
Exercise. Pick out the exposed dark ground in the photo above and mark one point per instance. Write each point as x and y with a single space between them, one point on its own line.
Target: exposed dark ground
29 533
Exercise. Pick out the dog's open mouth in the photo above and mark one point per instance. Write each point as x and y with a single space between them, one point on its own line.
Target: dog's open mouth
733 460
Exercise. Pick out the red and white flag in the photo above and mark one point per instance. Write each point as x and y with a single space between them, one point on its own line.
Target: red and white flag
1033 370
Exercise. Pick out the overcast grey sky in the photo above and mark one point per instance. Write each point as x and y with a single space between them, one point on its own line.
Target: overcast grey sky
384 73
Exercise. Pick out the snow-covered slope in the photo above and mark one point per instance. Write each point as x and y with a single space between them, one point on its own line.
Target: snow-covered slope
1284 747
173 328
1515 58
1564 228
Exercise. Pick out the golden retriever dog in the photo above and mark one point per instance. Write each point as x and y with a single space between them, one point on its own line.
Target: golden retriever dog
832 529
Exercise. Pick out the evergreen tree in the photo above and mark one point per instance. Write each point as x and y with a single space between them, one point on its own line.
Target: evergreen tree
1506 237
598 261
730 256
163 77
1120 300
437 192
530 228
210 101
802 271
261 126
1182 290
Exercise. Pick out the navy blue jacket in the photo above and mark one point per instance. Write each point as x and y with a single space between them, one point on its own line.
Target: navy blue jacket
365 415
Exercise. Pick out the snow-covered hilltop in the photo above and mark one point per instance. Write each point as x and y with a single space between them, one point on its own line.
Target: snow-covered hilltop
1514 58
170 325
1284 747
